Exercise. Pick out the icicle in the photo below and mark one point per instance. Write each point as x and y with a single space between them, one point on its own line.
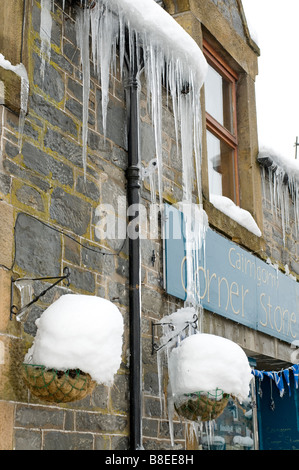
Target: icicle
24 105
45 33
83 29
160 356
26 293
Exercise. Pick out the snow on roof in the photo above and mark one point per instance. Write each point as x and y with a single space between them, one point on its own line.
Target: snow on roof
148 17
288 165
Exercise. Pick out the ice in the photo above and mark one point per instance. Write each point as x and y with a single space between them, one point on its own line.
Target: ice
83 30
26 290
169 56
80 332
45 33
21 71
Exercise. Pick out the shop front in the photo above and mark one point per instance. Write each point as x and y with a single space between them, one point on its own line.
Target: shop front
245 291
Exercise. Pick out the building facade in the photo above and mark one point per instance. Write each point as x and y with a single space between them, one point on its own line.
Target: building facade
50 208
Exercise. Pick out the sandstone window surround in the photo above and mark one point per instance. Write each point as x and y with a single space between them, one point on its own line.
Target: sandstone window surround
13 48
237 65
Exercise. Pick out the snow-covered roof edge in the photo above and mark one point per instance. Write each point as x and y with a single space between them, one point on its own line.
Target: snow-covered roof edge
249 33
275 161
161 28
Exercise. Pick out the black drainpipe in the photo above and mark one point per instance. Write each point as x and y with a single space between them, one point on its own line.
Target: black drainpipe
133 192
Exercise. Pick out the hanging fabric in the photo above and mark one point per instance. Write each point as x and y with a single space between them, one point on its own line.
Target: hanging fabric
278 377
286 374
295 369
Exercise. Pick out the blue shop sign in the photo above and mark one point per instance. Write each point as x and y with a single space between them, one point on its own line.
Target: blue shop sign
233 282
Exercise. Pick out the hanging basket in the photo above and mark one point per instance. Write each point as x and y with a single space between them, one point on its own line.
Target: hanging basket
202 406
57 386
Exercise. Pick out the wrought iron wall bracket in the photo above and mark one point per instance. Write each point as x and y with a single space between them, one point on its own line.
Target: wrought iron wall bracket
14 310
156 347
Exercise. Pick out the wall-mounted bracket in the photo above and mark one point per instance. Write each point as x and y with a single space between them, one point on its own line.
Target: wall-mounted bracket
156 347
21 311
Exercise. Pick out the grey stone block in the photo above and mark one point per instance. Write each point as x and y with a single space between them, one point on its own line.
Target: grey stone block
120 393
83 280
97 422
105 264
67 441
119 443
60 144
39 161
52 114
89 188
26 175
28 440
5 183
51 83
34 417
30 196
70 211
38 247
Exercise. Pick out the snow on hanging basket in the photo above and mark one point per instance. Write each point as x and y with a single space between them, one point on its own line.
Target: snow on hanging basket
79 344
202 406
214 365
57 386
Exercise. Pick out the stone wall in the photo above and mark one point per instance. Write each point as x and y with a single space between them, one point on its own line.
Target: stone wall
47 223
48 214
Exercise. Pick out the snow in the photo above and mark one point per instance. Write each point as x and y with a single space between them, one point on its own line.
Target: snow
21 71
244 441
290 166
243 217
146 16
80 332
250 14
204 363
175 324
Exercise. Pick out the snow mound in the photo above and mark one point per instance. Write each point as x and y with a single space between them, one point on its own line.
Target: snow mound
204 362
243 217
80 332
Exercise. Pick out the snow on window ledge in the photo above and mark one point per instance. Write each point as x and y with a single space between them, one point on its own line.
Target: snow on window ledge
241 216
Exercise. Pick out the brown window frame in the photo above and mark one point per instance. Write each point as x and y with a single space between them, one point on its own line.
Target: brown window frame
212 125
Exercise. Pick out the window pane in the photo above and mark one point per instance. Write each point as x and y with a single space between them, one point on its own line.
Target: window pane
218 95
220 167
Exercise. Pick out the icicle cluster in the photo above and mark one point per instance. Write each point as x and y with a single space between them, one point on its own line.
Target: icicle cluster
170 58
281 177
142 34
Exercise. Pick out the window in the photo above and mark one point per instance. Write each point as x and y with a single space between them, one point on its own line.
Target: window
222 142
